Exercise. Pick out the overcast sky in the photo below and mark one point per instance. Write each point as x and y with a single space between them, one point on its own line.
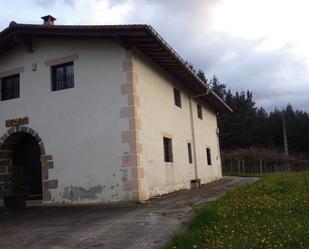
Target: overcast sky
260 45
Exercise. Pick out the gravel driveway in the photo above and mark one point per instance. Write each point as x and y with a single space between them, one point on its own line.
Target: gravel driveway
129 226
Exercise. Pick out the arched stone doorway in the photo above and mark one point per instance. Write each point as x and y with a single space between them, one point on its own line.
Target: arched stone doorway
26 155
22 147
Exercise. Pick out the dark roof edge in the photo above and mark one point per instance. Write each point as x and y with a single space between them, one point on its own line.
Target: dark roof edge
177 56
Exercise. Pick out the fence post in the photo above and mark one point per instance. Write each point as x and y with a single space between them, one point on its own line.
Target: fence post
238 162
243 166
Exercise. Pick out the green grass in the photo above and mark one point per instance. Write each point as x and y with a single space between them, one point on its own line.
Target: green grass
271 213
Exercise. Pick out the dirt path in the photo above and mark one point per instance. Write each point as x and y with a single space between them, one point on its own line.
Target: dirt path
131 226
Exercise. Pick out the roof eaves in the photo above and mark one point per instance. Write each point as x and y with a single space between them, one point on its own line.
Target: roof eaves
29 28
184 64
175 54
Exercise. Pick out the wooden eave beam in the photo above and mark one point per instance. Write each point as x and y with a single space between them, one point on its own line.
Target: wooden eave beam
161 58
154 50
122 41
149 45
24 41
144 41
157 53
172 67
169 64
6 39
6 47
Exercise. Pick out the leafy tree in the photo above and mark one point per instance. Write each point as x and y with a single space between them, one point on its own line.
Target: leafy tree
202 76
249 126
189 64
237 128
217 87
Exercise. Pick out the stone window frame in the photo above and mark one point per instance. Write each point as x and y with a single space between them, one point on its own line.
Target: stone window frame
8 73
61 61
12 79
65 77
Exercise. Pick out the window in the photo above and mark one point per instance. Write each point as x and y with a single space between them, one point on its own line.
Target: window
208 154
199 111
177 97
168 149
62 76
10 87
189 152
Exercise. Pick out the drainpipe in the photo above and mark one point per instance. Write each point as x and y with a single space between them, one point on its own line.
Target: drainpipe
196 182
218 149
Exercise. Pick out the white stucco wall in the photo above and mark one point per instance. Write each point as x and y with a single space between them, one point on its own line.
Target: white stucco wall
160 115
80 127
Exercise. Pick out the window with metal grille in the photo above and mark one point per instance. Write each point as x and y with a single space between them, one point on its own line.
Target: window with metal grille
10 87
168 149
177 97
199 111
62 76
208 154
189 152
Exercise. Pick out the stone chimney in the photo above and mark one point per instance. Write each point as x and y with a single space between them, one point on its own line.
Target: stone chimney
48 20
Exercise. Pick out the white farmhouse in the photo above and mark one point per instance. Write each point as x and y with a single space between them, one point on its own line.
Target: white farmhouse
103 113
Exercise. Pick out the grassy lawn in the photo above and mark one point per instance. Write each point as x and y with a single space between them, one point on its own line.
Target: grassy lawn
271 213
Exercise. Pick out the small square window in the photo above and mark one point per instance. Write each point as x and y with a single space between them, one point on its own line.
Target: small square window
10 87
199 111
177 97
190 152
208 154
62 76
168 149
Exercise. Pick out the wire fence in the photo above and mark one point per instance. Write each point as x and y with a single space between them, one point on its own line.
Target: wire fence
260 161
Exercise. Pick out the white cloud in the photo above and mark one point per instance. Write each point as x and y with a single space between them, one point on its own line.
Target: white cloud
278 23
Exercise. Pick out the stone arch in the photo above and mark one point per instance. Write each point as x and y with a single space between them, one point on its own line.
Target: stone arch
7 145
15 133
